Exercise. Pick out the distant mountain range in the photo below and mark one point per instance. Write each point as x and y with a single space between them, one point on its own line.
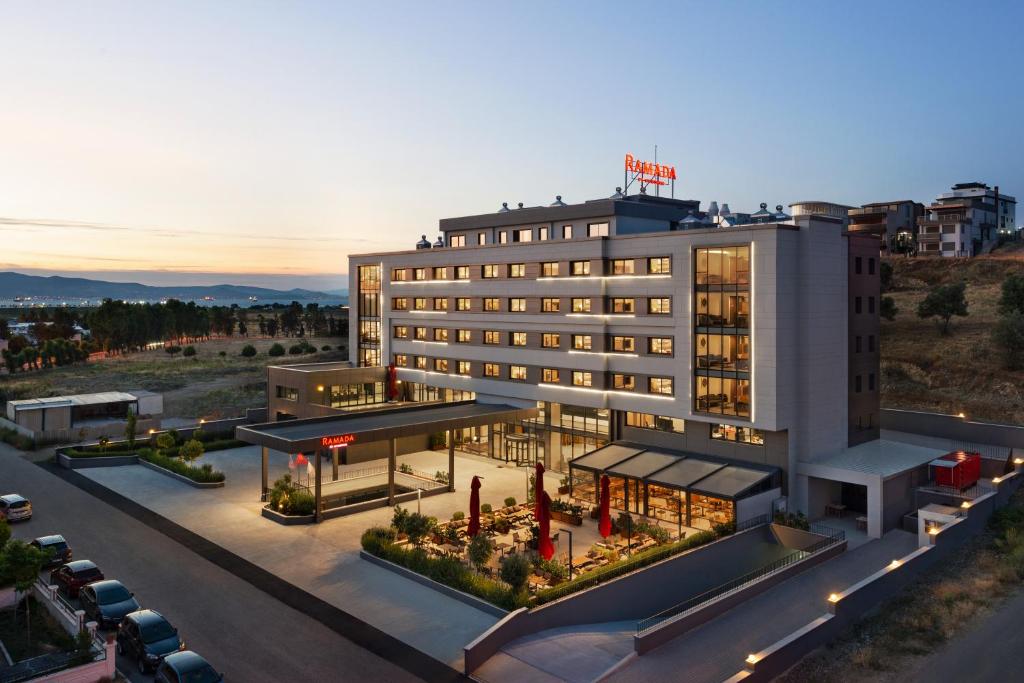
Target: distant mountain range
18 285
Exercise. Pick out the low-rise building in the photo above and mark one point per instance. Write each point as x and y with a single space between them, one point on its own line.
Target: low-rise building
895 223
967 221
71 418
840 212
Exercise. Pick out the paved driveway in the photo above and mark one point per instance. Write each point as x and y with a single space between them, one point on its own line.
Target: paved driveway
244 632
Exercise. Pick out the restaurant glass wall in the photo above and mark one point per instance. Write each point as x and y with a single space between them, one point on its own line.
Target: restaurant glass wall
708 511
625 494
584 487
666 504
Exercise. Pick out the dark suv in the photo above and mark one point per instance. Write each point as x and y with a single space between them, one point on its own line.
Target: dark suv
187 667
106 602
56 546
70 578
147 637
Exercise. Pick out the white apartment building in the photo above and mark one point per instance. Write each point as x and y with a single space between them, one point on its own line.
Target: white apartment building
967 221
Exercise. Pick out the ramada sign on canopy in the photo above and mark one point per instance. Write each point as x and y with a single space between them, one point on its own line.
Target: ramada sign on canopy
337 440
650 173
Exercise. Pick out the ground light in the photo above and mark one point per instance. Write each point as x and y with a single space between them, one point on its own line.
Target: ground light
961 416
895 564
1018 461
834 597
966 504
752 659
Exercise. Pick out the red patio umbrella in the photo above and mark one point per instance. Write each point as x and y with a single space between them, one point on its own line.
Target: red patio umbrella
544 545
392 383
605 524
538 490
474 508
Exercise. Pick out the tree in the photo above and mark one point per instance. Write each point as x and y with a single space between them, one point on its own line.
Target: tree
480 550
188 351
20 563
888 308
1012 298
276 350
191 450
515 570
129 429
943 302
885 275
248 351
5 532
1008 335
165 441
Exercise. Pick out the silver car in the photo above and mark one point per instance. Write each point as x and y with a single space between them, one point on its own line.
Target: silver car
15 508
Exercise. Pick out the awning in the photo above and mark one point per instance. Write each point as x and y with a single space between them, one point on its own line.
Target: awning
294 436
730 482
642 465
603 458
684 473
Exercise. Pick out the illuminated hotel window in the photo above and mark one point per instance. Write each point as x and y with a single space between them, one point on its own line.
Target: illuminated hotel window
440 273
419 304
421 332
463 303
582 342
597 230
662 423
492 370
581 305
516 269
582 379
440 334
550 375
441 364
738 434
463 367
481 238
579 267
660 385
399 274
517 305
490 270
524 235
421 362
440 303
401 360
492 304
457 241
399 304
420 274
660 345
623 305
659 305
623 382
461 272
287 393
549 305
566 232
464 336
542 234
623 344
517 372
401 331
622 267
549 269
492 337
661 265
502 237
517 338
550 340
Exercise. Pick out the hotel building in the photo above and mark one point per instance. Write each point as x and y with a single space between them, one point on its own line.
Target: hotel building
629 320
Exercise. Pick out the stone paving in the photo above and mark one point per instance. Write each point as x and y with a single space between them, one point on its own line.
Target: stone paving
323 559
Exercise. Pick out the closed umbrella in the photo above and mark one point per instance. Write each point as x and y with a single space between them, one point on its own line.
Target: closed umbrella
538 490
474 507
605 524
545 547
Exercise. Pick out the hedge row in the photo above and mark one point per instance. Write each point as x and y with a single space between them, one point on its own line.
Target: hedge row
17 439
202 474
120 449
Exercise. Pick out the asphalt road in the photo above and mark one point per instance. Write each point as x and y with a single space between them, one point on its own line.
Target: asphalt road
242 631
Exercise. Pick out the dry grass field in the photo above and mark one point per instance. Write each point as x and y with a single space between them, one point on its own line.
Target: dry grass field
206 385
959 372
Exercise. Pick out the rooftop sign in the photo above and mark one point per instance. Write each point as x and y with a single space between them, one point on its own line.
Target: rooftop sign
650 173
337 440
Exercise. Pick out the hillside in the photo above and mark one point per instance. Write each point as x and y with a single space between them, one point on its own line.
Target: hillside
55 286
961 372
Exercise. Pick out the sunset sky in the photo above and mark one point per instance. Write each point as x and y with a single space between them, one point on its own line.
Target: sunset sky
228 139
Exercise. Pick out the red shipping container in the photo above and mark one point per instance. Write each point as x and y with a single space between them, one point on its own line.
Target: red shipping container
964 471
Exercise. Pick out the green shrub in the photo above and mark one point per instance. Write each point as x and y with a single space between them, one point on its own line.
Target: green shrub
480 550
191 450
17 439
486 509
405 467
172 349
325 347
204 474
510 501
458 515
441 477
340 347
248 351
276 350
515 570
222 354
295 349
188 351
400 519
165 441
288 499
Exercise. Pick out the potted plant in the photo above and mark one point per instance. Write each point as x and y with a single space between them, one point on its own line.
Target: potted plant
563 486
569 513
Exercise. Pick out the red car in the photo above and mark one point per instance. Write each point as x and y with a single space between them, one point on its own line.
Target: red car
70 578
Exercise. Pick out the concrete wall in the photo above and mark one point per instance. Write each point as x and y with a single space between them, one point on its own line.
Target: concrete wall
759 504
953 427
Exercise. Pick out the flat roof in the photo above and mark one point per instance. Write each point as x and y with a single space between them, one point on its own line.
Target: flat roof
642 465
881 457
377 425
730 481
685 472
604 457
316 367
75 400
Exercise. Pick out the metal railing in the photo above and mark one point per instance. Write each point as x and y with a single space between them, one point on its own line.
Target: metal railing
832 537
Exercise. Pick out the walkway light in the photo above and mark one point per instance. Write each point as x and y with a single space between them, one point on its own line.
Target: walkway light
895 564
752 659
961 415
934 530
1018 461
834 597
966 504
996 480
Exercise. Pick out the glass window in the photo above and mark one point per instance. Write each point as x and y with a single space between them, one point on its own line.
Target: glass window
481 238
723 395
623 382
421 333
517 270
461 272
542 234
581 305
550 305
490 270
401 332
581 378
464 336
622 267
523 235
597 230
440 334
401 360
517 338
659 305
723 266
566 232
661 265
660 385
463 367
421 362
550 340
399 304
517 305
623 344
457 241
419 303
398 274
582 342
579 267
491 370
492 304
440 273
502 237
749 435
441 364
517 372
659 345
550 375
623 305
549 269
492 337
420 274
723 309
440 303
661 423
287 393
463 303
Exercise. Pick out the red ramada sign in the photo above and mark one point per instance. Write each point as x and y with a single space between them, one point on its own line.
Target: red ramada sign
650 173
337 440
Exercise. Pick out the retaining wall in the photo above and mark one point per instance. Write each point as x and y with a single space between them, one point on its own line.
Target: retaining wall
952 427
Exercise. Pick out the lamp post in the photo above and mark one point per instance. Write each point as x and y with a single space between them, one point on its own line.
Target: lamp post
419 494
566 531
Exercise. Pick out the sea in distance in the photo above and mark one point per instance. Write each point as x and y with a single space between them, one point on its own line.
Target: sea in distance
50 302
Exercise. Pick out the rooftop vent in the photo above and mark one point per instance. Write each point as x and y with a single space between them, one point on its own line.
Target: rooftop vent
690 220
725 210
558 201
713 209
520 205
780 214
440 241
762 212
424 243
618 194
503 209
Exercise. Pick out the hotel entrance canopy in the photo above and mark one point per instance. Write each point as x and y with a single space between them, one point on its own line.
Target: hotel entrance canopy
323 435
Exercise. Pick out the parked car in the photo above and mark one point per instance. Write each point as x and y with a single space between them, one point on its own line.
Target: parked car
187 667
15 508
58 548
69 578
107 602
147 637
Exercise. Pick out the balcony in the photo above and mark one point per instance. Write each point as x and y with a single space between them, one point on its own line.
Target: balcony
925 238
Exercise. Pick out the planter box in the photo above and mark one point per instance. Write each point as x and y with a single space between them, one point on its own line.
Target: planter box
183 479
70 463
567 517
562 490
287 520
